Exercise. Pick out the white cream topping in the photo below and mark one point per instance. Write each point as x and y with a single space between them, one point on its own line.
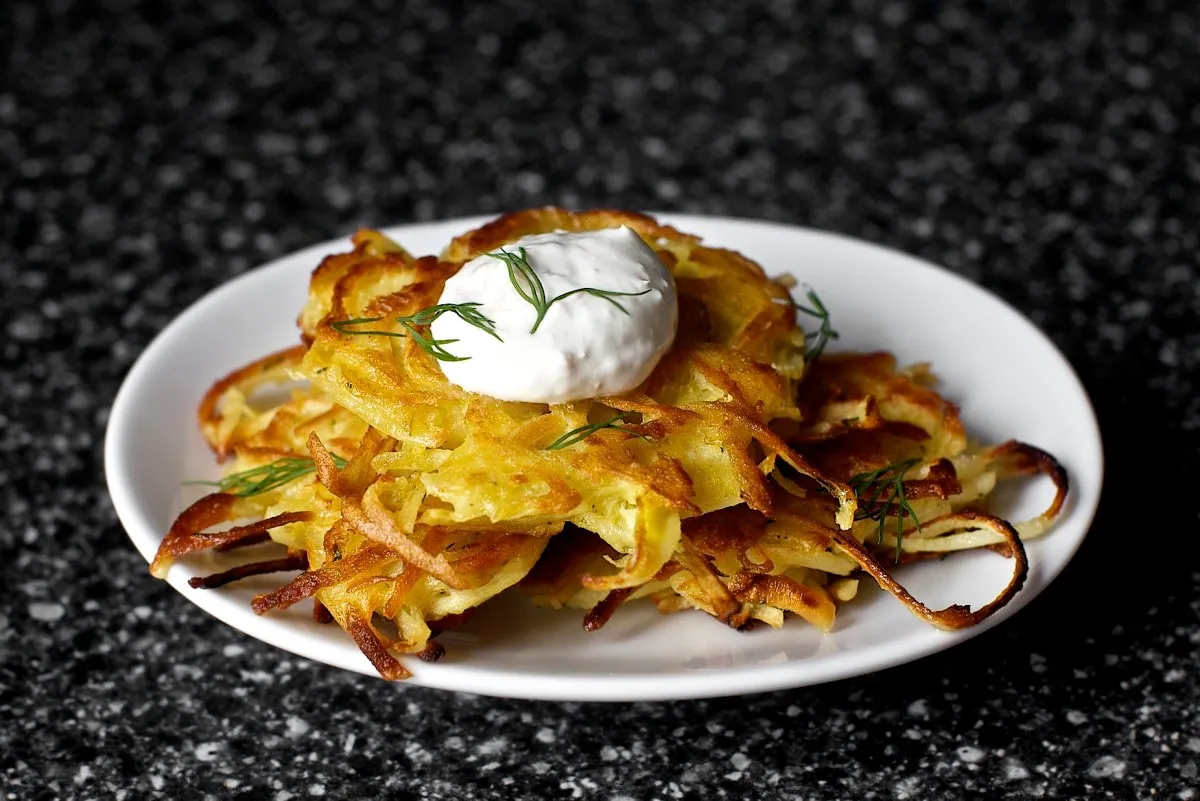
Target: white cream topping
584 346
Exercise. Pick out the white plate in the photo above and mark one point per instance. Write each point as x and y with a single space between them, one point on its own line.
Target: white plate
1009 379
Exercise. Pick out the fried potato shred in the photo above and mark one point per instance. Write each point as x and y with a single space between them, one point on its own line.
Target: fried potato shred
735 485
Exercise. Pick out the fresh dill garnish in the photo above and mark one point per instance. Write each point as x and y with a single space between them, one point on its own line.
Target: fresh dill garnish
267 477
824 333
583 432
882 494
343 327
467 312
528 285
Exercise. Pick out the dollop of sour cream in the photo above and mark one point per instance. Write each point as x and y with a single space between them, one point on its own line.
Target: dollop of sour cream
585 346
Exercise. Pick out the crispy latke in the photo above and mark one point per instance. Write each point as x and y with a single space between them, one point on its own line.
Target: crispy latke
738 484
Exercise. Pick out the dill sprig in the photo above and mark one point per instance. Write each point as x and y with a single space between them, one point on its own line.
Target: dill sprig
467 312
267 477
815 340
583 432
821 337
882 494
528 285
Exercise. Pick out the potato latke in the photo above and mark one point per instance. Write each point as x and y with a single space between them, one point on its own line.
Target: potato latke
743 480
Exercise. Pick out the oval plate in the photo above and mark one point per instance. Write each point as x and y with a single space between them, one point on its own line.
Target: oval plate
1008 378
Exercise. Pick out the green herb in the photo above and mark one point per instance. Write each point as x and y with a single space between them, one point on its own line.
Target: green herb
583 432
267 477
529 286
824 333
883 491
467 312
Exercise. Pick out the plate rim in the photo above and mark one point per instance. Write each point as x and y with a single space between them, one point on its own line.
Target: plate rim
601 686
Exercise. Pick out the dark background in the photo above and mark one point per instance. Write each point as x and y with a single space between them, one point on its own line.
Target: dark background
1046 150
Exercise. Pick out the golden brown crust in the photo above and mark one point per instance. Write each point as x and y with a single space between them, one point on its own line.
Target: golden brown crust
215 580
306 584
782 592
514 225
955 616
374 650
600 614
1015 458
270 368
187 533
727 487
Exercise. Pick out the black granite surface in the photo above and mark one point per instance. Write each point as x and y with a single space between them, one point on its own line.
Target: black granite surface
1050 151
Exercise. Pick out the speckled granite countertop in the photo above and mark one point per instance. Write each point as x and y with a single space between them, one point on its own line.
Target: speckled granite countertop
147 156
